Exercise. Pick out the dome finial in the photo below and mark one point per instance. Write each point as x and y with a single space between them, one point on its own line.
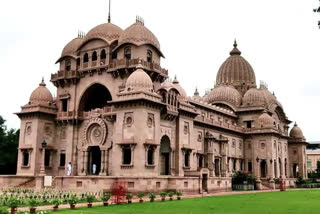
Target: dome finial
175 79
196 93
109 16
235 43
235 50
42 82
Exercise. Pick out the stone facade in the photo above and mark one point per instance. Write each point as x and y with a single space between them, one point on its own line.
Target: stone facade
115 109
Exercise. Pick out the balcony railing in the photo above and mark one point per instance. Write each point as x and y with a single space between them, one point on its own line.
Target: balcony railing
64 75
70 115
124 63
219 123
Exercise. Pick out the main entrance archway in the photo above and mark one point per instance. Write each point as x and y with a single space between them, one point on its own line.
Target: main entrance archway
94 160
96 96
165 155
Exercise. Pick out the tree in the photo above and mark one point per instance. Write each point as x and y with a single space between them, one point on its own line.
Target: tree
9 141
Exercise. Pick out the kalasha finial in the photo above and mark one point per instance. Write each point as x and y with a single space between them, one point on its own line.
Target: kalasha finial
196 93
235 50
175 79
42 82
109 16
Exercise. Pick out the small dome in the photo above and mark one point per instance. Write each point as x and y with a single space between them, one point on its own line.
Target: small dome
41 95
71 47
236 71
107 32
259 97
139 80
139 35
196 96
265 120
296 132
224 94
177 86
167 85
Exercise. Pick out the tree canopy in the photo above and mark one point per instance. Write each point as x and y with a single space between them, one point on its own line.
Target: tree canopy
9 141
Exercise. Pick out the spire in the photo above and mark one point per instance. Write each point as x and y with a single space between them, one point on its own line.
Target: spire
235 50
42 82
109 16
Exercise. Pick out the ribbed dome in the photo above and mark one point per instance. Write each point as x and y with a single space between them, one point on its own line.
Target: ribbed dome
236 71
138 34
259 97
71 47
107 32
265 120
296 132
224 94
41 95
139 80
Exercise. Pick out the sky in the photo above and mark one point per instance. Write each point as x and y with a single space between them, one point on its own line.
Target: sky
280 39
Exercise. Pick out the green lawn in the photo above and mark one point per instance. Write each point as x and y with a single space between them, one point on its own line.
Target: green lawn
301 201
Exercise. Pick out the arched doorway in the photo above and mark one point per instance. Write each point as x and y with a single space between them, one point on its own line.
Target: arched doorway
94 158
96 96
263 168
164 156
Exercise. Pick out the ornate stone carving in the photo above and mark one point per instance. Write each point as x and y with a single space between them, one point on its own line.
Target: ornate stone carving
95 132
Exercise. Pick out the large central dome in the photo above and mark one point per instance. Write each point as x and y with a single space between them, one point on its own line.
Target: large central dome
236 71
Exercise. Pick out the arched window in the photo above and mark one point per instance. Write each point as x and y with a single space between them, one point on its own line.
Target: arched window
127 53
187 159
86 58
103 54
126 155
94 56
25 158
150 156
68 65
149 56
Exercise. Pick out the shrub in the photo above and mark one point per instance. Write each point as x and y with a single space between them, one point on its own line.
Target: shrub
163 194
140 195
105 197
90 198
73 200
152 196
129 196
4 210
170 194
241 177
56 202
13 202
32 203
179 193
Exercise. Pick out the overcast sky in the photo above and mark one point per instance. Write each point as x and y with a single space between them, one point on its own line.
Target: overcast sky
280 39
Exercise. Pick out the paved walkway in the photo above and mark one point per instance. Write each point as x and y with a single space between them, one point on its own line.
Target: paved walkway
136 200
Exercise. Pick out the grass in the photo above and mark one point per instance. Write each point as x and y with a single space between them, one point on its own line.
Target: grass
302 201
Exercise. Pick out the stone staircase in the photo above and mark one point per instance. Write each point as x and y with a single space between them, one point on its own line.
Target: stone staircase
28 184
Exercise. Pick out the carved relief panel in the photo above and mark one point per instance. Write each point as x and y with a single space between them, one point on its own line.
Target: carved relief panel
150 131
128 129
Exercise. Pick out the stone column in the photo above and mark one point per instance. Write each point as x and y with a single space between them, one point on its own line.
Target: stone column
224 165
102 168
86 162
42 166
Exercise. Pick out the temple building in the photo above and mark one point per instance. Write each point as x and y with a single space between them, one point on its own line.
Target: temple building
116 110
